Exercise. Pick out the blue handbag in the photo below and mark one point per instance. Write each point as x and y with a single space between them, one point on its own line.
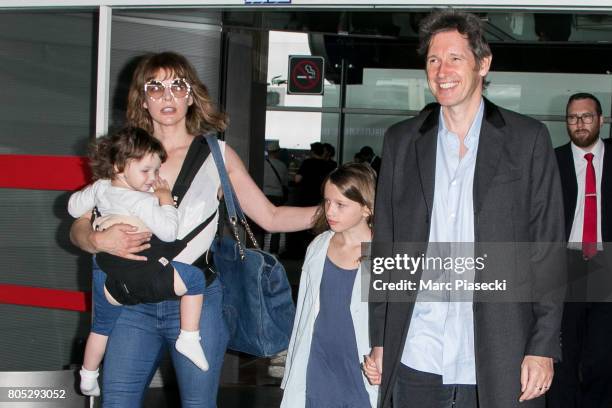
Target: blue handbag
257 302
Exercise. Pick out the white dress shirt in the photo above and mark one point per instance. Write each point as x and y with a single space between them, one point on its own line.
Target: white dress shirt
440 338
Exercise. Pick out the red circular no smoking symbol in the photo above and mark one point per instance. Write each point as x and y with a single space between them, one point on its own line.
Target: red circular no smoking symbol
306 75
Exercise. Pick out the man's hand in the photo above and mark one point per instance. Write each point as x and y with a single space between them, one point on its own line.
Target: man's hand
536 377
372 366
122 241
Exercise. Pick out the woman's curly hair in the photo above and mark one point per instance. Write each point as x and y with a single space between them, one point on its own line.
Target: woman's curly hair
202 115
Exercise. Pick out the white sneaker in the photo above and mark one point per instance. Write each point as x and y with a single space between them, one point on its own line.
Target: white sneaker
276 369
89 383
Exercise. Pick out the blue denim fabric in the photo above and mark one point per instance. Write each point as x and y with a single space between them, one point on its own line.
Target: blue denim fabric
258 307
136 346
105 314
192 277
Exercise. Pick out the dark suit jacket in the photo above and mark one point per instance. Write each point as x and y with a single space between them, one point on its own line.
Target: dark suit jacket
588 281
565 159
517 198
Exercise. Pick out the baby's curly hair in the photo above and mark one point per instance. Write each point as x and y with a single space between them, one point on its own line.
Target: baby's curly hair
108 155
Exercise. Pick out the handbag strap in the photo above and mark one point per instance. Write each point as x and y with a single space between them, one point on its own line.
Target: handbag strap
233 208
234 211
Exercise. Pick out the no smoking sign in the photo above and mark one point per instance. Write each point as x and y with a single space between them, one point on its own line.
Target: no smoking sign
306 75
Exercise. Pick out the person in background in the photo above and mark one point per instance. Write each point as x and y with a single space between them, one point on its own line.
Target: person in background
583 378
330 153
276 189
309 180
311 174
276 184
366 153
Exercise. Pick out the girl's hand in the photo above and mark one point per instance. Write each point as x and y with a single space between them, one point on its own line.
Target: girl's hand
371 371
162 191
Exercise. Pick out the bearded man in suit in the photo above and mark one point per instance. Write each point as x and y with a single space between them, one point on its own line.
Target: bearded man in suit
584 375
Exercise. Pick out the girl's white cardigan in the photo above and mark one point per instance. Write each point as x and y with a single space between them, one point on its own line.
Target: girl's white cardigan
294 381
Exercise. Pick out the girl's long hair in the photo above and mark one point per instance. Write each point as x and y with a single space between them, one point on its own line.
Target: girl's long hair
357 182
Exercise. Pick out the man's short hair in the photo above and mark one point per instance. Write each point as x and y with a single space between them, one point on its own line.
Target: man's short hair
584 95
367 151
467 24
330 149
317 148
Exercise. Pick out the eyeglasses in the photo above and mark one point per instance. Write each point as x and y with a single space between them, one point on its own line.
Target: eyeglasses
179 88
586 118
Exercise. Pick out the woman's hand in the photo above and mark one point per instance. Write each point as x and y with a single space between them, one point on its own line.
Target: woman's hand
122 240
119 239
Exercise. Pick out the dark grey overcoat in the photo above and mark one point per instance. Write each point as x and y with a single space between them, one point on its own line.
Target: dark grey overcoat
517 198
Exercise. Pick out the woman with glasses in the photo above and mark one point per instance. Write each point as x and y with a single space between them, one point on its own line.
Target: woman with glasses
167 99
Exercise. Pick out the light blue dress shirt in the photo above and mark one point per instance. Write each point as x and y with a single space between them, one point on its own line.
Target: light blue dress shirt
441 335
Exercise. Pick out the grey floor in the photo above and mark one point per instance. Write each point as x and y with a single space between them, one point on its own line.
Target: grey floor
254 389
248 387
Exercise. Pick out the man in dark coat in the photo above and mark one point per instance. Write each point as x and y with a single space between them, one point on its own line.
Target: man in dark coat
467 170
584 376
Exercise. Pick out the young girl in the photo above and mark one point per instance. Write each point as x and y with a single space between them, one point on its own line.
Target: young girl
330 332
126 167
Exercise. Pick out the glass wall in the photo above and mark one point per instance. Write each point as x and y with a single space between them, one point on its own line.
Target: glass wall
296 121
366 130
383 96
544 96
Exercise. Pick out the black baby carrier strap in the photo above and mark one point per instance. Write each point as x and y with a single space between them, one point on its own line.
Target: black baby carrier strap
196 156
198 152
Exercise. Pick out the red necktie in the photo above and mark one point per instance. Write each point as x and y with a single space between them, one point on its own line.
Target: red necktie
589 228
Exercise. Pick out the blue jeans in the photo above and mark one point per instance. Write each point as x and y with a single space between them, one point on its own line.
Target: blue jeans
136 345
106 314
